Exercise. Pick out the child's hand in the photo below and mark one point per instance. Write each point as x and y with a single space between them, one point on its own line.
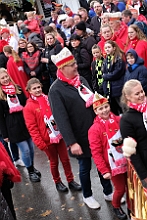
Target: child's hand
107 176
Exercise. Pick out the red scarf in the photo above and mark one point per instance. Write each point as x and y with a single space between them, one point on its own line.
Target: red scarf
138 107
12 99
49 121
115 155
31 61
9 89
73 82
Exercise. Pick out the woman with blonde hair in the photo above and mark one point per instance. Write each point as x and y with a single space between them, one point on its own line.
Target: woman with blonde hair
12 124
15 68
137 41
52 47
21 46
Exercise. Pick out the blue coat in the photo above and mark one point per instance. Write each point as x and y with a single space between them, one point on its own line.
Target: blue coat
137 71
114 76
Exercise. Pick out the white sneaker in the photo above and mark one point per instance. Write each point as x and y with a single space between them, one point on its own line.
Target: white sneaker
19 162
91 202
109 197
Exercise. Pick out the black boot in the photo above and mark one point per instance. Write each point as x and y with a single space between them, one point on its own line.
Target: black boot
120 213
61 187
75 186
37 172
32 175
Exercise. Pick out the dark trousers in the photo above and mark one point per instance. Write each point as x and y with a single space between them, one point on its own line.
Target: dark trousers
106 184
115 105
84 175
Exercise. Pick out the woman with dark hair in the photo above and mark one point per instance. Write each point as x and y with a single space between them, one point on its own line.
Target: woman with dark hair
31 60
82 58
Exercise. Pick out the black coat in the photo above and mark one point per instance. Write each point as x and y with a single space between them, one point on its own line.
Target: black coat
88 42
52 50
114 8
83 61
12 125
115 76
139 71
3 60
71 115
131 125
96 24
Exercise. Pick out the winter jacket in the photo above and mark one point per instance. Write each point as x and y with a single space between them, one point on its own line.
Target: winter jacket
34 37
33 25
82 58
132 125
12 125
3 60
137 71
140 46
115 38
113 9
71 115
96 24
114 76
38 68
48 52
99 146
35 124
88 42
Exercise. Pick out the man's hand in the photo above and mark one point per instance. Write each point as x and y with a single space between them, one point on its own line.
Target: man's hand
76 149
32 73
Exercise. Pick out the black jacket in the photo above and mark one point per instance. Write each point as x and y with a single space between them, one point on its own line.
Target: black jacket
83 61
114 8
52 50
3 60
115 76
71 115
131 125
12 125
96 24
88 42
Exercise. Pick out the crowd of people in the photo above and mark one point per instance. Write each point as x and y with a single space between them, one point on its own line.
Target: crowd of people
92 64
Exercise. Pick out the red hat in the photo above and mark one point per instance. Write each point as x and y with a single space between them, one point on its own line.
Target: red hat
5 30
98 100
2 44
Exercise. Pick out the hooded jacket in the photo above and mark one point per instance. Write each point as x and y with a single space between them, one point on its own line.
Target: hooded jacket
137 70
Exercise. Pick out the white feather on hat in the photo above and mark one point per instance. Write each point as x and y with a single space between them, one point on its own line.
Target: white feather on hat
62 17
115 16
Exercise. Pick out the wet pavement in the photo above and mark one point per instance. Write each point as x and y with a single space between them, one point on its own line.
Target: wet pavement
41 201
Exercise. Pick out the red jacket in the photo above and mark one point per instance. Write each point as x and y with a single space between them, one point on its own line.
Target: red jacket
33 25
35 124
140 46
122 34
101 43
99 145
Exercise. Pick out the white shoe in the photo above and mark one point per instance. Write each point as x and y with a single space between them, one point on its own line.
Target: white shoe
109 197
91 202
19 162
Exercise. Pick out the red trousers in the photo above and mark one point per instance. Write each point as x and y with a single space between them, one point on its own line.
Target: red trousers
120 187
54 152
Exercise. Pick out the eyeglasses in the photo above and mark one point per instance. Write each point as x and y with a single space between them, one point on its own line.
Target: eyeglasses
22 43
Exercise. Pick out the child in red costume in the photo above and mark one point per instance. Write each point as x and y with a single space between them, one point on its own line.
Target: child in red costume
105 143
42 127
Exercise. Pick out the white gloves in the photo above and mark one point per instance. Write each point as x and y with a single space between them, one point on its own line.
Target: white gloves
129 147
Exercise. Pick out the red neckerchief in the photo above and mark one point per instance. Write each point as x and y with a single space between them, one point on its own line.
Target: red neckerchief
138 107
73 82
9 89
133 43
31 61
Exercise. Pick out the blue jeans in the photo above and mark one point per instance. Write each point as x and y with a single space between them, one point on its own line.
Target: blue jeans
106 184
84 175
27 151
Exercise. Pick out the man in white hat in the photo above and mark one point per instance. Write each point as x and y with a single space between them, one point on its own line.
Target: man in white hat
70 98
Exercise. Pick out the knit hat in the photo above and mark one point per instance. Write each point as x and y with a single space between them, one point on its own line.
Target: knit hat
63 58
25 30
2 44
98 100
81 26
5 30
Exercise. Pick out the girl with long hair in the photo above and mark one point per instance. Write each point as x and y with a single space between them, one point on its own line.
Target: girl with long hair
137 41
15 68
113 75
12 124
